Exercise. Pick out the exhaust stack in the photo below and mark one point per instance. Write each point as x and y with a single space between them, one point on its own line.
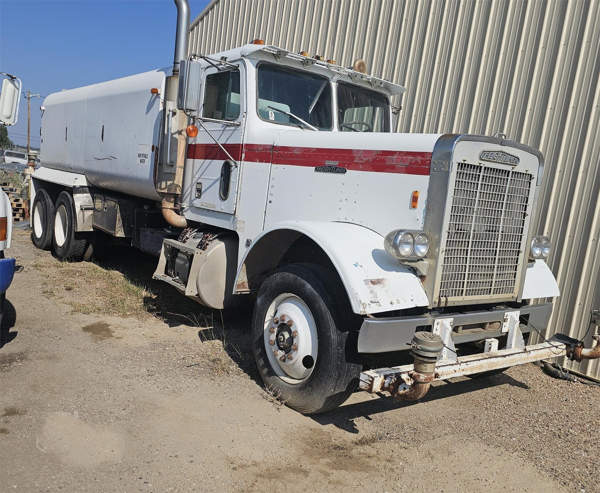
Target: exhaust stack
170 176
181 35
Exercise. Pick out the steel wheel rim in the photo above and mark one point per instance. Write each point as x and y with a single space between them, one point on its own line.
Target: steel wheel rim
290 332
38 228
60 226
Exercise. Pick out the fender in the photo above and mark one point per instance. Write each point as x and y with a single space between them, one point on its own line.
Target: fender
539 282
374 280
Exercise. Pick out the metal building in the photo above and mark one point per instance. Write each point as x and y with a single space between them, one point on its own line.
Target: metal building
526 68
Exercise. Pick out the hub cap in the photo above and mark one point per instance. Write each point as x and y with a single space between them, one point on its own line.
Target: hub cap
290 335
60 226
38 227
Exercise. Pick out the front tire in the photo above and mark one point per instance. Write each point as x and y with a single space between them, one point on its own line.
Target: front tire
42 220
303 331
67 244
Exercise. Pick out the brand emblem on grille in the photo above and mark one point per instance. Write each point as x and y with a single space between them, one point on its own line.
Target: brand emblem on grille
499 157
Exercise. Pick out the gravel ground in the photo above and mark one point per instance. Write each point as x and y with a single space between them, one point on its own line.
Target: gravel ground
98 402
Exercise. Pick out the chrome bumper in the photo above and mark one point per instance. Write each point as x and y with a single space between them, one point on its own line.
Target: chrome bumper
382 335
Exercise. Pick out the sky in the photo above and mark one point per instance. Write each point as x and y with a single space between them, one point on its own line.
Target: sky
62 44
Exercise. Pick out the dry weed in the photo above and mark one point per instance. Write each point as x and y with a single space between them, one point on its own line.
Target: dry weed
274 397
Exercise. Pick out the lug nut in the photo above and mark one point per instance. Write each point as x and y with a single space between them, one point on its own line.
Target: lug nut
289 356
276 352
295 333
275 320
294 347
272 330
282 358
290 323
272 342
282 318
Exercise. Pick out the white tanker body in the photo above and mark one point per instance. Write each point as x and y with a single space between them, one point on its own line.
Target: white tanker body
107 132
260 172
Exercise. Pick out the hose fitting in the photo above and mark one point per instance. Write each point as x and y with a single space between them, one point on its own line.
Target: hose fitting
425 348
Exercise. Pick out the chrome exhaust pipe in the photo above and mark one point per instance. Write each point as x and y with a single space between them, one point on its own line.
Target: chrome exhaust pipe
181 35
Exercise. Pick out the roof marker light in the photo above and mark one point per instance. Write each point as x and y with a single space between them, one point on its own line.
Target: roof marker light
258 42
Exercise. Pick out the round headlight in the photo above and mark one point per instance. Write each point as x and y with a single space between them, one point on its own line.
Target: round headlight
546 246
421 245
536 247
404 244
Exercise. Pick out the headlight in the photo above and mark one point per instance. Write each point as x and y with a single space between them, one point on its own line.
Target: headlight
421 245
546 247
540 247
406 245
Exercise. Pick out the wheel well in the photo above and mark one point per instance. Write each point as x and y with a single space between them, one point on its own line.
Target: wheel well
276 249
52 189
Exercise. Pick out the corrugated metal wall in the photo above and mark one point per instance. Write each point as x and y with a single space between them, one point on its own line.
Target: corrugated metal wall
529 69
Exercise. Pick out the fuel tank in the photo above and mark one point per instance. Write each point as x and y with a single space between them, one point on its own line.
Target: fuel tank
109 132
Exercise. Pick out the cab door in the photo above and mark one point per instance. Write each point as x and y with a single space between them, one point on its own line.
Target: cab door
217 150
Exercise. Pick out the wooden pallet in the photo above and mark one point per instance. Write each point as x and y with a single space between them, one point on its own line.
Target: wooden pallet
20 206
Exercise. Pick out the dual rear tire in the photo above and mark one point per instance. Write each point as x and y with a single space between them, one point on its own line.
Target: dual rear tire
53 227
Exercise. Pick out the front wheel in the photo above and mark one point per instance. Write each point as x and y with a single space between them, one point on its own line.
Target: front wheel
304 340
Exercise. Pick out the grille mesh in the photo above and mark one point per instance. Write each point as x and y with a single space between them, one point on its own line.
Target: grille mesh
485 232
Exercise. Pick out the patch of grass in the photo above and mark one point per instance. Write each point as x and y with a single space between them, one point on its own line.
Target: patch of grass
91 289
214 353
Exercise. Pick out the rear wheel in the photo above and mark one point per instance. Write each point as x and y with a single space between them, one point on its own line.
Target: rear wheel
42 220
303 331
67 244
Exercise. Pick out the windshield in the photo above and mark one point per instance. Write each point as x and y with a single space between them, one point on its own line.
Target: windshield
361 110
291 97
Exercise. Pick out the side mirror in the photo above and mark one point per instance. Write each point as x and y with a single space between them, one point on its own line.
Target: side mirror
9 99
190 77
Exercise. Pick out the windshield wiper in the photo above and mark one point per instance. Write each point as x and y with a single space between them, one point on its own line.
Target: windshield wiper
294 116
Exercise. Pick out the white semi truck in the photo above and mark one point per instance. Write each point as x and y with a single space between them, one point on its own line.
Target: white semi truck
259 172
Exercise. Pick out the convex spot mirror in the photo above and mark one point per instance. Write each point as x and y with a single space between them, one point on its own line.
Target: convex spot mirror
9 99
188 95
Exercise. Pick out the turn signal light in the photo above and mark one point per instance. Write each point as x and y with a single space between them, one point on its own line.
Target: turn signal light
414 200
258 42
3 228
155 90
191 131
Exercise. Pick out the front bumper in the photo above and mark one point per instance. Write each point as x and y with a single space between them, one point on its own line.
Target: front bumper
7 272
382 335
411 382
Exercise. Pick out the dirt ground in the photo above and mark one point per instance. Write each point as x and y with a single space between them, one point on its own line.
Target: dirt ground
100 394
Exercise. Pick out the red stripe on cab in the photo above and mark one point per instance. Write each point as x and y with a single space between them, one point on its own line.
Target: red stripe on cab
379 161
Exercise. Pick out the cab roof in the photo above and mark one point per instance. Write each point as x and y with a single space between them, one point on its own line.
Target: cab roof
258 52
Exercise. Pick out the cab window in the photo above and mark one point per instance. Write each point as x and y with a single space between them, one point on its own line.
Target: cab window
293 97
222 96
362 110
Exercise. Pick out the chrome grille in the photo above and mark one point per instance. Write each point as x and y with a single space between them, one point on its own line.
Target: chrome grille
485 232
